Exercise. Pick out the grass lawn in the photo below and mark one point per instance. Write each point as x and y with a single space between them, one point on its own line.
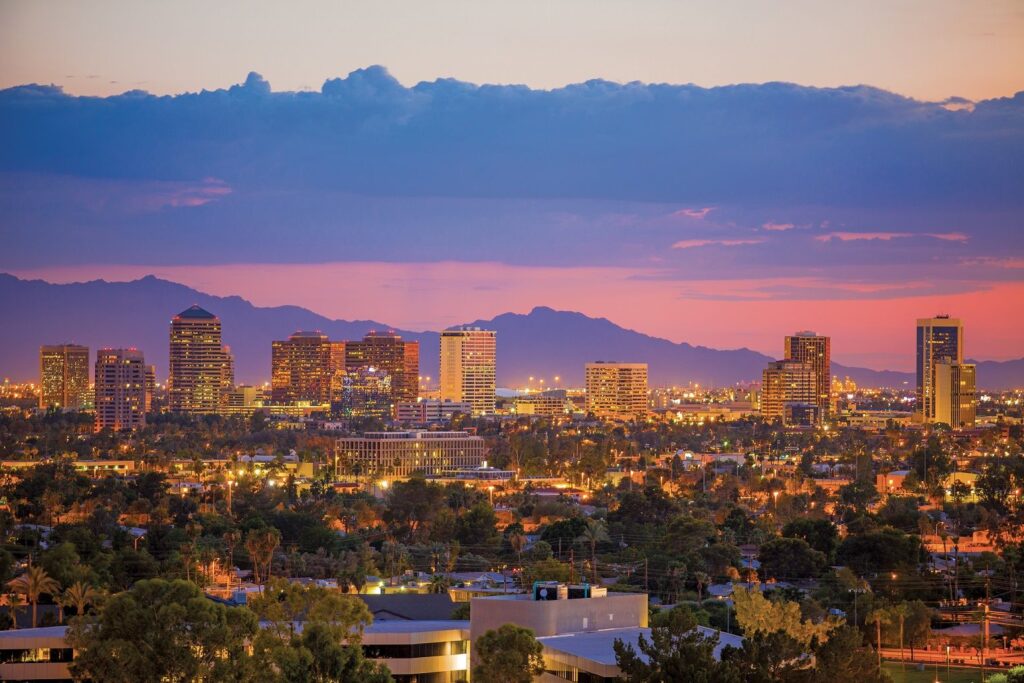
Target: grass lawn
912 675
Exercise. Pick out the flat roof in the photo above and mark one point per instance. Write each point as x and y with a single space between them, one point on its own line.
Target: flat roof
598 646
405 626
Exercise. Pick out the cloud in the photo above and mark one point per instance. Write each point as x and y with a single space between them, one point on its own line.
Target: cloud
889 236
699 214
691 244
777 227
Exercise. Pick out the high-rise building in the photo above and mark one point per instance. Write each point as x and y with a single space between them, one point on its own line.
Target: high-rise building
150 386
468 367
120 389
939 338
617 391
64 376
955 394
301 368
362 392
387 351
787 382
201 370
816 351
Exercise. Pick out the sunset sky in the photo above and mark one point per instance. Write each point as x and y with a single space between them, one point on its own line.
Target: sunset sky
841 167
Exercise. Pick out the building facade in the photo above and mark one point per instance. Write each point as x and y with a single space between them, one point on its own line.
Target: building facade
120 380
816 351
939 338
64 376
955 393
786 382
201 370
387 351
468 367
400 454
617 391
302 367
431 411
362 392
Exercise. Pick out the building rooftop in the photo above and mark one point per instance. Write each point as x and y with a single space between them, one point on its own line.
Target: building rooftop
410 607
196 312
400 626
598 646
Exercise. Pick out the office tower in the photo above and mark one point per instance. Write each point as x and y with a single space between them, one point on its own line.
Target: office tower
816 351
64 376
120 389
362 392
617 391
387 351
955 402
468 367
938 338
301 368
788 382
201 367
150 386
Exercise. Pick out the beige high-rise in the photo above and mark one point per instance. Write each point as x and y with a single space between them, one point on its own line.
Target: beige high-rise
64 376
201 370
469 366
617 391
955 393
938 339
120 389
815 351
786 381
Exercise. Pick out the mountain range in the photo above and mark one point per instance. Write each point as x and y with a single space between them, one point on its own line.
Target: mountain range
543 343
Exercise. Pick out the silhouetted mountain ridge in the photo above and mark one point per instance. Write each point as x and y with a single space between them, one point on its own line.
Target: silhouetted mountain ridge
543 343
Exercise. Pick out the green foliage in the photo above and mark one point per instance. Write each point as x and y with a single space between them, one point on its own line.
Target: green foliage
161 631
882 550
790 558
820 534
758 616
510 654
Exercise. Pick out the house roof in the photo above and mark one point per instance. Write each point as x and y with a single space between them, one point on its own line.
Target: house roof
413 607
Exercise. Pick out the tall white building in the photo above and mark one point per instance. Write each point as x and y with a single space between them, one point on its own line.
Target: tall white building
468 367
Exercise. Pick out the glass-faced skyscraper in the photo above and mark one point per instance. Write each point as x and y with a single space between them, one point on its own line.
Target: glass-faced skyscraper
938 339
64 376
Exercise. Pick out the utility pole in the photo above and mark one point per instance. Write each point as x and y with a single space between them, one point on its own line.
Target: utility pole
646 589
572 566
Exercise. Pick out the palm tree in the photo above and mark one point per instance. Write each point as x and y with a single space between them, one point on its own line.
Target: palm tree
80 595
261 544
901 611
879 616
14 605
518 543
33 584
231 540
702 581
439 583
594 533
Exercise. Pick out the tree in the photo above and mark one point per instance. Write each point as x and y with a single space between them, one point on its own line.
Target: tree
594 533
759 616
79 596
820 534
34 583
261 544
311 634
790 558
769 657
840 660
677 651
879 616
162 631
509 654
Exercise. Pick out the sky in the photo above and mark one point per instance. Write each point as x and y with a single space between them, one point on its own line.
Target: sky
719 173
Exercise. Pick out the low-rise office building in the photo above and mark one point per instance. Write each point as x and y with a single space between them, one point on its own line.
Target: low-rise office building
400 454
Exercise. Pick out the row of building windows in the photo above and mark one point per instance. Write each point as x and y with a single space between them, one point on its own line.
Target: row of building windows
39 654
442 649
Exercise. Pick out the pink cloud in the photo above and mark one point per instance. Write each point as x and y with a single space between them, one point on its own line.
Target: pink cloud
698 214
889 236
777 227
690 244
